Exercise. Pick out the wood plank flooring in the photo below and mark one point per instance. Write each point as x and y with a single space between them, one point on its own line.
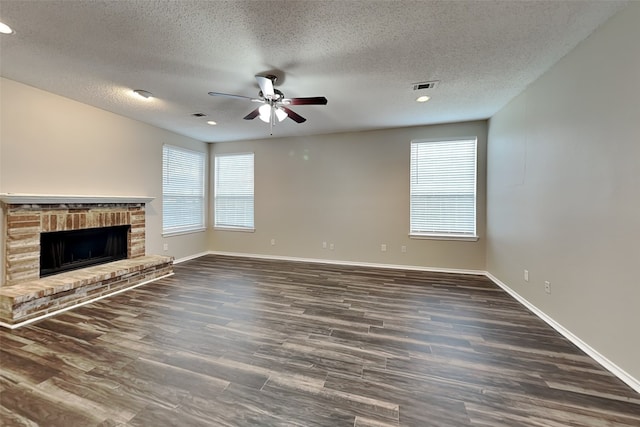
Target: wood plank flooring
244 342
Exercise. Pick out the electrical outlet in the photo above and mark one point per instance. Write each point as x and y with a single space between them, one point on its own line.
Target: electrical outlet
331 246
526 275
324 245
165 247
383 247
547 286
403 249
273 242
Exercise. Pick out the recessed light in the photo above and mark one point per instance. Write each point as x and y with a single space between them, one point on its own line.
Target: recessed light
5 29
211 122
423 98
143 94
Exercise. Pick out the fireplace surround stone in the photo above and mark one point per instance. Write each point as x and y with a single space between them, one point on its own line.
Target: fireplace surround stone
25 218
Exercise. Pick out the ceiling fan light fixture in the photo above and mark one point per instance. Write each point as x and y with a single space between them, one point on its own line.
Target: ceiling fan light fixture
281 114
265 113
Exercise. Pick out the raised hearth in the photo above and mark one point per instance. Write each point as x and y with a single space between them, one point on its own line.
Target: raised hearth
29 301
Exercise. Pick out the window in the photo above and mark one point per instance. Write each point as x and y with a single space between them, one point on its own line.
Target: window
443 189
182 190
233 200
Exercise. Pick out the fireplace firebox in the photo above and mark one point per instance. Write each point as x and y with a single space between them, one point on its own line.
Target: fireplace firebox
62 251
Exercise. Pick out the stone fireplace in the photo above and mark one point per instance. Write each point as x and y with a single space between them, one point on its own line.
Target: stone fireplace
26 221
33 223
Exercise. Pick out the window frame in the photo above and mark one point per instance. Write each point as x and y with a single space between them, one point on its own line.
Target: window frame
196 228
443 235
244 229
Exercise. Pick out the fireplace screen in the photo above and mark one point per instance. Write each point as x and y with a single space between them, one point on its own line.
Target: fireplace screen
70 250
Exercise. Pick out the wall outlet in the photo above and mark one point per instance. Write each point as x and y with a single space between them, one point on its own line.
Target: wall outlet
324 245
165 246
331 246
526 275
383 247
273 242
403 249
547 286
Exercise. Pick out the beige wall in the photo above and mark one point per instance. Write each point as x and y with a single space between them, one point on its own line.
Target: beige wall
564 191
54 145
349 189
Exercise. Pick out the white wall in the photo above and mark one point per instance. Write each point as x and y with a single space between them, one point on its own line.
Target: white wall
564 191
54 145
349 189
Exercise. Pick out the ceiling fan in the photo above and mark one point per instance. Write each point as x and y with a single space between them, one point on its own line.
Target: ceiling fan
274 104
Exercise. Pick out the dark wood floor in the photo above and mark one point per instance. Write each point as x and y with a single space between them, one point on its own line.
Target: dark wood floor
239 342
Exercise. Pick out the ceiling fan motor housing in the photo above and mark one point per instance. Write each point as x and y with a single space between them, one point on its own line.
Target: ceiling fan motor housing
277 95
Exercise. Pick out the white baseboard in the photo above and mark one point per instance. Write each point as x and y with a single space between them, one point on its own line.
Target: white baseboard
62 310
350 263
595 355
190 257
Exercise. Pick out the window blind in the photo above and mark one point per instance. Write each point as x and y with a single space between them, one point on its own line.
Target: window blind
443 188
233 200
183 202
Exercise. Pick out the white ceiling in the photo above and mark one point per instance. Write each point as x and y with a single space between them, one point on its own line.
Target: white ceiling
361 55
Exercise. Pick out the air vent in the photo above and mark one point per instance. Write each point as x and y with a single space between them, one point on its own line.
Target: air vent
199 115
425 85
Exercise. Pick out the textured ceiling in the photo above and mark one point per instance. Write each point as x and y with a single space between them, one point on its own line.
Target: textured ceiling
362 55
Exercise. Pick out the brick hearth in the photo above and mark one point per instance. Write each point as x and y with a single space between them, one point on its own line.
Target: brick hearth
37 298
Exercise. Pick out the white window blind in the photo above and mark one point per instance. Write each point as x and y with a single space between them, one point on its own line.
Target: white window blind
443 188
183 174
233 200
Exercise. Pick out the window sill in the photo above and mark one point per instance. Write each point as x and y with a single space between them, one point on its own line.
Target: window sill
179 233
457 237
242 230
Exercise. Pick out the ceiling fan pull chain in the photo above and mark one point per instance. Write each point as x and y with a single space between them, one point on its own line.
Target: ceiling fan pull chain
273 116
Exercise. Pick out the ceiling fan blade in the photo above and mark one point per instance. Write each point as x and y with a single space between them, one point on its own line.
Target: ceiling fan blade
266 86
315 100
227 95
293 115
252 115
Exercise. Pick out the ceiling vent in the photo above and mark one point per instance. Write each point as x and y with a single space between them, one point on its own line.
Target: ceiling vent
199 115
425 85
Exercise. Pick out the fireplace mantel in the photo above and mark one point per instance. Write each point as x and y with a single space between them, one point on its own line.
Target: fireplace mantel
49 199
